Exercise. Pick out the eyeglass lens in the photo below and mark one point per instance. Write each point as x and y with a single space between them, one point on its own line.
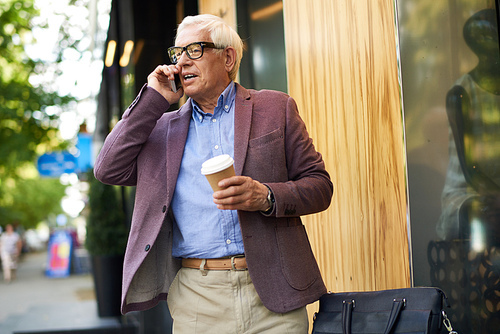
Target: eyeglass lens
193 50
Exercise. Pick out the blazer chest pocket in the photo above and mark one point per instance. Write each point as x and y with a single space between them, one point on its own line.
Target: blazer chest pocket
267 139
266 158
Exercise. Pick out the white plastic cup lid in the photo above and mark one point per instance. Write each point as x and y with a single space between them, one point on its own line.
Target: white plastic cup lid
216 164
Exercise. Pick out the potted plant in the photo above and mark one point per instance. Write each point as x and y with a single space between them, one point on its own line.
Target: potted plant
106 241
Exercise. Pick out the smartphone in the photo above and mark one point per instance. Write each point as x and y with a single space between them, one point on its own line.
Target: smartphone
175 84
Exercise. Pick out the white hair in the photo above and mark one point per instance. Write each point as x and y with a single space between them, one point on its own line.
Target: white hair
222 34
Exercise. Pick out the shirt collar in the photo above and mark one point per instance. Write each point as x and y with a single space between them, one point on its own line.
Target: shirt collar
226 99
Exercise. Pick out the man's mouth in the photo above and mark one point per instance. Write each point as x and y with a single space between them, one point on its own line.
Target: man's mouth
189 76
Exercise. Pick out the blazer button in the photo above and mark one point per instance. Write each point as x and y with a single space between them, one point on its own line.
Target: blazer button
148 247
164 209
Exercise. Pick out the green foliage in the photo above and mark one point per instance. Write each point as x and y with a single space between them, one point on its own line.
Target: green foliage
26 125
30 201
28 120
106 229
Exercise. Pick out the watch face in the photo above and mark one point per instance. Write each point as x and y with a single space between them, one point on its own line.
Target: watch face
270 197
270 200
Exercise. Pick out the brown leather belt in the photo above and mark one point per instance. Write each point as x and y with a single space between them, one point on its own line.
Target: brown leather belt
234 263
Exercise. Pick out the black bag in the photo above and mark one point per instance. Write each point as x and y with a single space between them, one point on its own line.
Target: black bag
410 310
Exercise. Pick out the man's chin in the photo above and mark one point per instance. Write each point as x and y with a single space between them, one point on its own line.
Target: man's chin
190 92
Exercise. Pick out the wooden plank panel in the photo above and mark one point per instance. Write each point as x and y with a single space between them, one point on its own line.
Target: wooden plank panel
222 8
342 71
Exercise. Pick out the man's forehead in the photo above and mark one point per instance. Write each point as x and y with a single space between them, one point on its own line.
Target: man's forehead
192 34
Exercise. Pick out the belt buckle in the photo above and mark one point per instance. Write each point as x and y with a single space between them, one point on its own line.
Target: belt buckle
233 264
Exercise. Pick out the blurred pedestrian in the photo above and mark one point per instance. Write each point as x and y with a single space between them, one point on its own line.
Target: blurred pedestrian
10 248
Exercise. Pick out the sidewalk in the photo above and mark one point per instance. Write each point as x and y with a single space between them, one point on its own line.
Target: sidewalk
34 302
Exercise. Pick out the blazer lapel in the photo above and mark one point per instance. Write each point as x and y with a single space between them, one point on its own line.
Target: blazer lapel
177 130
242 123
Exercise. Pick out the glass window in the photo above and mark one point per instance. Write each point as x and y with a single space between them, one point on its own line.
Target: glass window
260 25
450 69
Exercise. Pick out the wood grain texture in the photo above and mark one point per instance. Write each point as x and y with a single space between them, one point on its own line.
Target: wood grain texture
342 71
225 9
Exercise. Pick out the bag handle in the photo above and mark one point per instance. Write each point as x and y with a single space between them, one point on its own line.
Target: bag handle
347 307
397 306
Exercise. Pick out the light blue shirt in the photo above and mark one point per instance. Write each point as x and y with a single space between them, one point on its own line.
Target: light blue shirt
201 230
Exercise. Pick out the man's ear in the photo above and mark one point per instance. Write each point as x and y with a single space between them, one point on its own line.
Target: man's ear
230 58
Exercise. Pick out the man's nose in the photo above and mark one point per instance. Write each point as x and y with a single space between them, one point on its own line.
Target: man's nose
183 59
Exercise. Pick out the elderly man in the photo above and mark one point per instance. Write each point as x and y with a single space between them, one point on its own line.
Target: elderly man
237 260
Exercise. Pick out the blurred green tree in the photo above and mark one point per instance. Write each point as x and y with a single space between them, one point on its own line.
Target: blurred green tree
28 120
31 200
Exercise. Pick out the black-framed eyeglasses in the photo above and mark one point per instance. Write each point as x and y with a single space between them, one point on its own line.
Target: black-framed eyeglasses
193 50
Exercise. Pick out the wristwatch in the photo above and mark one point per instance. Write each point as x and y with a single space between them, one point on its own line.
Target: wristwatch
270 201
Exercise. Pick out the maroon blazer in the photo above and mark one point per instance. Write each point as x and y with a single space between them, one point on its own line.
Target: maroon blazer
271 145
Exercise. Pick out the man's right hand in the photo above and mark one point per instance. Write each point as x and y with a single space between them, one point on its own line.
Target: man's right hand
160 78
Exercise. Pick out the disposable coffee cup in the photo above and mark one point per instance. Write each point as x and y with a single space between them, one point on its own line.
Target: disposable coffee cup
218 168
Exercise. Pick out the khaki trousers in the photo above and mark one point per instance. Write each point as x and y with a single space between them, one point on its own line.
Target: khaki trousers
225 301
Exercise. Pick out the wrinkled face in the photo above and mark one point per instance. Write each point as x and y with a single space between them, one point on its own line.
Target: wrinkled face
205 78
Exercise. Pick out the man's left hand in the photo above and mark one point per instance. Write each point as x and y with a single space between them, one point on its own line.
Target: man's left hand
241 193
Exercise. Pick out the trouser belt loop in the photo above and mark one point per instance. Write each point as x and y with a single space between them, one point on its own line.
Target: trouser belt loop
202 267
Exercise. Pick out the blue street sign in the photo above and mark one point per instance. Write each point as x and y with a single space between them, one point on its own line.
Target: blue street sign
84 156
56 164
